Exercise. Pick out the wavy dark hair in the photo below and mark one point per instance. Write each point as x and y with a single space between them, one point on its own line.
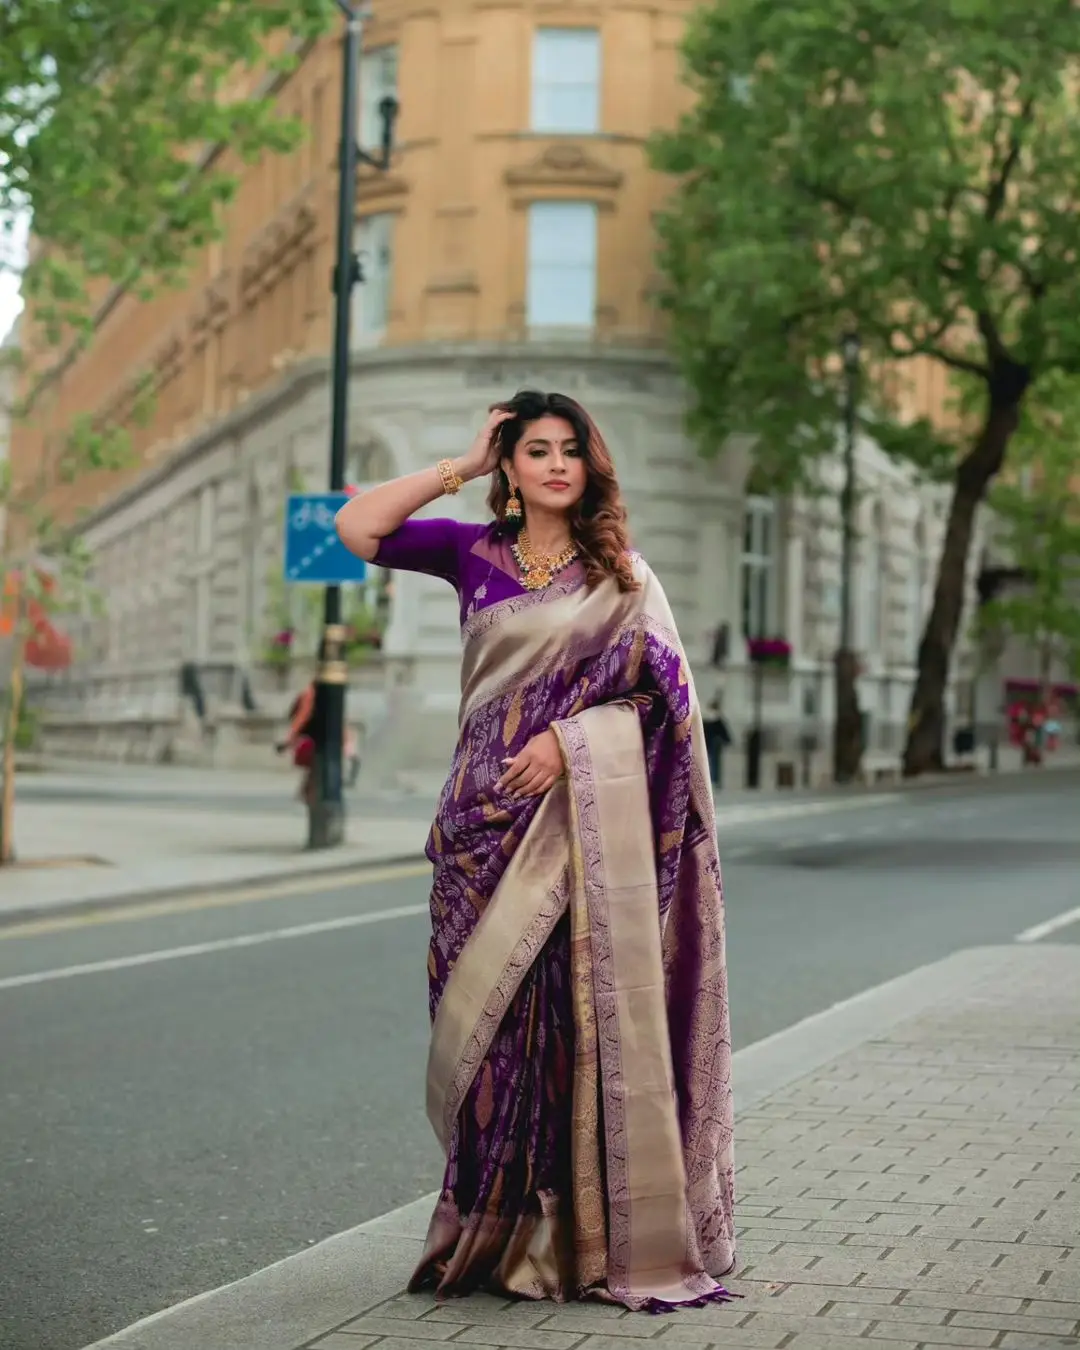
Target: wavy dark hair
598 520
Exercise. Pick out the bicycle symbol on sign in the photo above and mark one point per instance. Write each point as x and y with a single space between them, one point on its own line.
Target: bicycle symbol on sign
313 515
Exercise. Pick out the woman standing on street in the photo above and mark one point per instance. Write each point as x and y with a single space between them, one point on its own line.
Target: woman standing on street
579 1074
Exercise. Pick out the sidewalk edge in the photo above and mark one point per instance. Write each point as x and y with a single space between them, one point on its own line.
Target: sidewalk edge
308 1295
192 890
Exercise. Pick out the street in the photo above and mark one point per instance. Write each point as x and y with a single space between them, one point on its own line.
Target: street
193 1090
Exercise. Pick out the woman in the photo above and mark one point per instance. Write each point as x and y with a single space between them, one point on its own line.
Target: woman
579 1074
300 739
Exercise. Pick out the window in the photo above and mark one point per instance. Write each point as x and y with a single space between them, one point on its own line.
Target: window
562 265
374 237
378 80
874 584
916 593
566 81
758 566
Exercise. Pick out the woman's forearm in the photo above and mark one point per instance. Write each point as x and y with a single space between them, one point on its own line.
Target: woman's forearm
370 516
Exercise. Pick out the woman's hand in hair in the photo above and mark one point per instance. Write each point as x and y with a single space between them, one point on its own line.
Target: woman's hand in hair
484 454
534 770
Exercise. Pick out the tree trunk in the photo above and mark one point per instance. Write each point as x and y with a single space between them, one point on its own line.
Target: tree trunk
847 726
7 788
924 751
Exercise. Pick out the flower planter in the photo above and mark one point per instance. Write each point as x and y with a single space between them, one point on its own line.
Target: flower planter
769 653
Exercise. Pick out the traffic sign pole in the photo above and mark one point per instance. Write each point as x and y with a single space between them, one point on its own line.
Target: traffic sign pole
326 812
326 805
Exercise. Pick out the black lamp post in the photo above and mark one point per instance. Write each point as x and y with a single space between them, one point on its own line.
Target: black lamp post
326 810
847 726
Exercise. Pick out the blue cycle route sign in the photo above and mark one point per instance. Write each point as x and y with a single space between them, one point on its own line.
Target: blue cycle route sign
314 555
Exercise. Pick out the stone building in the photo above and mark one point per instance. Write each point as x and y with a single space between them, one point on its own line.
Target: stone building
509 245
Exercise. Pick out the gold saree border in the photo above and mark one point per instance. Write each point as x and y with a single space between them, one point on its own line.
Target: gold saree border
652 1246
510 934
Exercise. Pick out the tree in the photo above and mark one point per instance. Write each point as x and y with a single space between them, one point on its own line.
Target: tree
1037 514
113 120
910 170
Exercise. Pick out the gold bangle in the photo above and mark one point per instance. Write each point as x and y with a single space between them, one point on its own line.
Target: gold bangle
451 483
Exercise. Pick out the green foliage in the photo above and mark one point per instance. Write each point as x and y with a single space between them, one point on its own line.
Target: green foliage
111 121
909 169
1038 513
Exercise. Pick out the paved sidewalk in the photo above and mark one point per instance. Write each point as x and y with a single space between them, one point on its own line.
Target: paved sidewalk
909 1176
88 854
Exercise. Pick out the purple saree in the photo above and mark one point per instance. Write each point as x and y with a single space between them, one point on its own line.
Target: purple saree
579 1074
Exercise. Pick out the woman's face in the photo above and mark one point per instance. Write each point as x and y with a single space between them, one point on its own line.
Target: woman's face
548 466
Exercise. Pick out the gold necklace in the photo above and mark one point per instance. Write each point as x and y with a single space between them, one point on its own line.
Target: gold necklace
540 569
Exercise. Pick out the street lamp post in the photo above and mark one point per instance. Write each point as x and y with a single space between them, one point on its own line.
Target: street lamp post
847 729
326 810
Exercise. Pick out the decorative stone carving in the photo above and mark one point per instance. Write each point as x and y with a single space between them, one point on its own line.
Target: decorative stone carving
212 311
278 248
564 166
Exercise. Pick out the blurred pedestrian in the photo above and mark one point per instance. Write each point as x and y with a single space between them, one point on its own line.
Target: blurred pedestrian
300 740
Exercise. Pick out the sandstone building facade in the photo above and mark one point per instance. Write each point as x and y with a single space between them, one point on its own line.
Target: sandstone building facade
509 245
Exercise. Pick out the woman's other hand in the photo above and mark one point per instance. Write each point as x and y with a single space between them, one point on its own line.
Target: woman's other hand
535 770
484 453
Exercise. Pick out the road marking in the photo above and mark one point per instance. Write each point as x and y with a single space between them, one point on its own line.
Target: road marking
1043 930
275 890
218 945
744 815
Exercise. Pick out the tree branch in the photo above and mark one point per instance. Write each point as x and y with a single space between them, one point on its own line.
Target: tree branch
996 194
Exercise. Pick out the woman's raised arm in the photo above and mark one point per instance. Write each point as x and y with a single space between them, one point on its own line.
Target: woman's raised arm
366 520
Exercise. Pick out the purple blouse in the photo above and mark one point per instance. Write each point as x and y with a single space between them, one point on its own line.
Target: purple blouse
477 560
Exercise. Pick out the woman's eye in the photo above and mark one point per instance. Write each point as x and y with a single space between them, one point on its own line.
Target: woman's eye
537 453
573 452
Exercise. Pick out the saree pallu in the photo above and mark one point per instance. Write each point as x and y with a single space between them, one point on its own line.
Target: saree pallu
579 1073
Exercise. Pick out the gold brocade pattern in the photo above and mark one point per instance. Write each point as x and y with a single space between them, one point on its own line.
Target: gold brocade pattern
672 839
587 1174
633 661
513 718
461 775
579 703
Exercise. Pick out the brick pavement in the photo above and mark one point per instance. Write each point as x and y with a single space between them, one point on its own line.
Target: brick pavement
922 1190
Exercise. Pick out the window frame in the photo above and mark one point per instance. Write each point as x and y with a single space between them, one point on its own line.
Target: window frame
541 120
368 121
364 328
758 572
588 265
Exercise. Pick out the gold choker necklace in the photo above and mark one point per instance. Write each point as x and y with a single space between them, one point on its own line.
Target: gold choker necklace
540 569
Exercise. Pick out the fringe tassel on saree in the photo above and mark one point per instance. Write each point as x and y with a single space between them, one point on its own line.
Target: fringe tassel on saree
579 1075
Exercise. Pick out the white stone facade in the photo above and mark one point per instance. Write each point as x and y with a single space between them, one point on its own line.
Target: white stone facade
188 561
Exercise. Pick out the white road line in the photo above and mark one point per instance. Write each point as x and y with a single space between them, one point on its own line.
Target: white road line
219 945
1038 931
746 815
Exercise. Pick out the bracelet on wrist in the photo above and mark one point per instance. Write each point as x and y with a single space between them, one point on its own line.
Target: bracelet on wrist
451 482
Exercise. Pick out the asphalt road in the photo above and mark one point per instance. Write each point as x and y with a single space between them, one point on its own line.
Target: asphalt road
170 1125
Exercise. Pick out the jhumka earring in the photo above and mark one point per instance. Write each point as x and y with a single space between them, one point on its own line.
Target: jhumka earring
512 512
